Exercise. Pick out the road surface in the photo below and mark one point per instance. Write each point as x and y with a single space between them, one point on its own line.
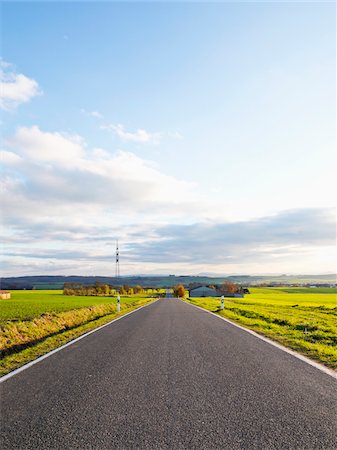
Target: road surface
169 376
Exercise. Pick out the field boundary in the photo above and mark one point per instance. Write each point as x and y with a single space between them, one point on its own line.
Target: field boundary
297 355
46 355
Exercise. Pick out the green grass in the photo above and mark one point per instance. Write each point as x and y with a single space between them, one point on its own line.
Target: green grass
304 321
35 322
25 305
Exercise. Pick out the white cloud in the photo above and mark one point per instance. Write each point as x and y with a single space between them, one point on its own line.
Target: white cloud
58 172
301 241
15 88
285 235
95 114
139 135
36 145
58 192
9 158
64 203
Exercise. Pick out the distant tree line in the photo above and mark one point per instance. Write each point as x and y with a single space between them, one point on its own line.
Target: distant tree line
101 289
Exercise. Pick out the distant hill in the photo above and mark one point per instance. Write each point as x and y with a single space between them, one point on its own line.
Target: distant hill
57 282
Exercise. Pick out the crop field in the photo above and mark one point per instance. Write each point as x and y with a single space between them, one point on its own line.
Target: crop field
35 322
25 305
300 318
304 290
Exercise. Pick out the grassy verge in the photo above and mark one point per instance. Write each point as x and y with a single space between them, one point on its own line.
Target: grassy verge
22 341
26 305
297 322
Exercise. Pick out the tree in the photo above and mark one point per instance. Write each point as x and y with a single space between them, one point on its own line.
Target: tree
106 289
179 291
138 289
126 288
228 286
69 289
99 287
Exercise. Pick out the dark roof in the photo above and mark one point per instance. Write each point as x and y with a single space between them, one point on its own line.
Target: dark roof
201 286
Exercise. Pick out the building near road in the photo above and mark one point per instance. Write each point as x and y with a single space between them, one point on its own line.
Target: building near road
204 291
5 295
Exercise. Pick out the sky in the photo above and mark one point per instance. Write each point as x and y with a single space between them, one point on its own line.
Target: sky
202 136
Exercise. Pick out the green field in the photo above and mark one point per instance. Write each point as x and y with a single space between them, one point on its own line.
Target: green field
303 319
25 305
35 322
300 290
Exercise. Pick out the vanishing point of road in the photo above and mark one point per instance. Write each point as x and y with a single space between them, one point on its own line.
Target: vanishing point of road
169 376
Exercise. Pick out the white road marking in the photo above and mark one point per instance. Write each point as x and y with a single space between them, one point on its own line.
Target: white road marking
318 366
40 358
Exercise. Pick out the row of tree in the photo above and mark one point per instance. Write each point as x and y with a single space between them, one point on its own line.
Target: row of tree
100 289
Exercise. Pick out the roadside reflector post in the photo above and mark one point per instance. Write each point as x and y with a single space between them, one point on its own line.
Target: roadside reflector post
118 303
222 302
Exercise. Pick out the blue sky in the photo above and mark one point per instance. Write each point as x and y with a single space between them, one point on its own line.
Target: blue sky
152 121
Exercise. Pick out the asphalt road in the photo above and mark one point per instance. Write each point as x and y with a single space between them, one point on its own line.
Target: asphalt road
169 376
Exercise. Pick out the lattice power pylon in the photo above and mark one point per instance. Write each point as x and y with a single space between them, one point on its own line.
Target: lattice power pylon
118 273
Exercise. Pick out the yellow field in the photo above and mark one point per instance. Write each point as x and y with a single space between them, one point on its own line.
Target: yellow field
305 321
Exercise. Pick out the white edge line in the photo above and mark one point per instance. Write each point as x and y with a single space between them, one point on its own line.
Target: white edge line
40 358
318 366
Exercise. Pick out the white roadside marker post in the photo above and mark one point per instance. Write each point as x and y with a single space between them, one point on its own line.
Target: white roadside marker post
222 302
118 309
